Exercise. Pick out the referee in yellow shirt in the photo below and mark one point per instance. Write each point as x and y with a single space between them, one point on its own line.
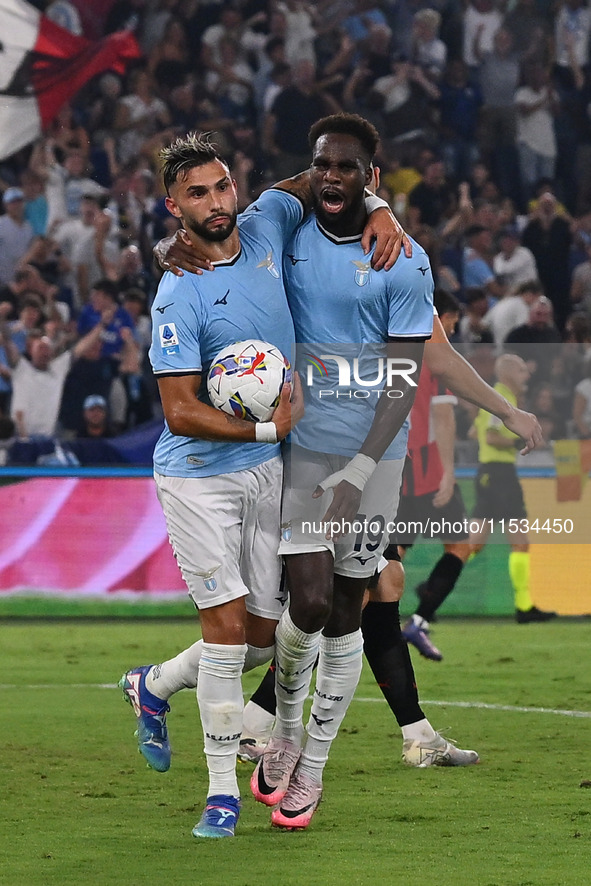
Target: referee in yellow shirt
499 495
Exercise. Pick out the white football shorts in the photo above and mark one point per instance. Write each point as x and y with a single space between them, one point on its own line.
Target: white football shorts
358 553
224 531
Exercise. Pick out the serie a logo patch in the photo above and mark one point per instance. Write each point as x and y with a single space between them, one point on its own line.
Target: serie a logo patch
169 340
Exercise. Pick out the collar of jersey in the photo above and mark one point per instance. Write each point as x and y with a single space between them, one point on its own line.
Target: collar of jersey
338 240
228 261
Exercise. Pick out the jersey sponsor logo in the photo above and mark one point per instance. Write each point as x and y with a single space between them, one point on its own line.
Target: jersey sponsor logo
423 270
253 208
162 308
362 272
363 560
222 301
169 339
269 264
295 260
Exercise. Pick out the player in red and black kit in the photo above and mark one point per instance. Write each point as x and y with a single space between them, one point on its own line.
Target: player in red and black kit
431 504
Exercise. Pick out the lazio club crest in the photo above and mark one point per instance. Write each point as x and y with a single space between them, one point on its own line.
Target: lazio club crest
362 272
269 264
208 579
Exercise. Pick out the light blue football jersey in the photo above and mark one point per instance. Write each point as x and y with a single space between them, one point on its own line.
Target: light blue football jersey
193 317
343 309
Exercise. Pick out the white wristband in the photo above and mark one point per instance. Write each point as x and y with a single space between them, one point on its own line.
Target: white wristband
357 472
265 432
373 202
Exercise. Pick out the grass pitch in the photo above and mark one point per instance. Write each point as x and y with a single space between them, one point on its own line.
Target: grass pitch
80 807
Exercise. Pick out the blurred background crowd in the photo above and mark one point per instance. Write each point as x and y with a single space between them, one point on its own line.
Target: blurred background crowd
484 109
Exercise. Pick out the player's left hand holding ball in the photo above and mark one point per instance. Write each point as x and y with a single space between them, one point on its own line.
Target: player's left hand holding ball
290 408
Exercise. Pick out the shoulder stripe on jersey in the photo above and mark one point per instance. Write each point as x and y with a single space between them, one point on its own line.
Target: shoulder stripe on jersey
411 337
178 372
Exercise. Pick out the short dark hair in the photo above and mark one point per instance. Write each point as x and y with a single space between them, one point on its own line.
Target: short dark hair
185 153
346 124
446 303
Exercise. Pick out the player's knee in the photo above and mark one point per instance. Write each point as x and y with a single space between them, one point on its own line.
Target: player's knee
310 612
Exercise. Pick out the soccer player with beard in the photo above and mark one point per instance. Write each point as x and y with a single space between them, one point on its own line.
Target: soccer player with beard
218 477
220 497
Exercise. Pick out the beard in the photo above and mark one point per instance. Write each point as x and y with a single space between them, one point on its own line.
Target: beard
213 235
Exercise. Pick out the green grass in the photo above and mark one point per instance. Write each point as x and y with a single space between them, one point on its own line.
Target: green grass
80 807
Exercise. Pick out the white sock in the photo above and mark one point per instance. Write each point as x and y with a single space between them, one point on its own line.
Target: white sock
419 731
420 622
339 669
180 672
295 656
257 722
219 695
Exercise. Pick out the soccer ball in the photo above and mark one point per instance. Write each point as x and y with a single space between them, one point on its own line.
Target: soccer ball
245 379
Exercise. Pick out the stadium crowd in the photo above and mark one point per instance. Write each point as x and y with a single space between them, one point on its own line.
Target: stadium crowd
485 114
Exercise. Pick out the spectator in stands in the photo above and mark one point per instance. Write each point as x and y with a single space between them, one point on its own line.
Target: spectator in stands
16 234
139 114
471 329
536 103
433 198
231 83
231 25
285 135
66 183
477 268
513 264
169 61
37 384
103 310
428 51
482 20
572 30
512 311
549 238
95 422
408 99
530 32
11 295
459 106
539 328
36 206
499 75
30 320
